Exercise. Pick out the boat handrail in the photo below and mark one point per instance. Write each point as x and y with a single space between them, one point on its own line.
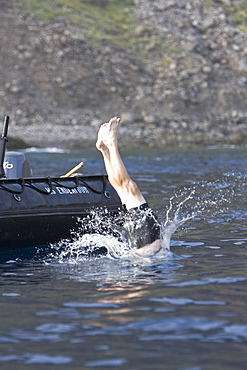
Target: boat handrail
54 181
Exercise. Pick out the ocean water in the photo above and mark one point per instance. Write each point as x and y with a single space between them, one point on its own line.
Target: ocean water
185 309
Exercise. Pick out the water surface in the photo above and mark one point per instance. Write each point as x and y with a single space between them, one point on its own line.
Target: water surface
184 311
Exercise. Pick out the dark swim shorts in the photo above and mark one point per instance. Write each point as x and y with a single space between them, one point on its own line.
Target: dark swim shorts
141 226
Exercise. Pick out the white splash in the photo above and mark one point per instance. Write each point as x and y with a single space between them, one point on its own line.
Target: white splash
204 199
97 244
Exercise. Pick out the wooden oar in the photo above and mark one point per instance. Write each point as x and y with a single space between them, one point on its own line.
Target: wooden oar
76 168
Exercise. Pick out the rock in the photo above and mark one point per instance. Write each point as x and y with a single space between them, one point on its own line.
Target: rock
139 31
16 143
128 117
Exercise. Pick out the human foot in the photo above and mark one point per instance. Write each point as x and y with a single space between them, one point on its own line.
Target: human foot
100 141
107 135
111 131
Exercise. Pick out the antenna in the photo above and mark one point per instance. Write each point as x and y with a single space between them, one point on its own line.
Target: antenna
3 142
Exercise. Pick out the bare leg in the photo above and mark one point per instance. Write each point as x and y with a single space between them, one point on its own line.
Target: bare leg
118 176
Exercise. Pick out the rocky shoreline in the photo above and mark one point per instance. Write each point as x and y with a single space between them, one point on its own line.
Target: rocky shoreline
184 84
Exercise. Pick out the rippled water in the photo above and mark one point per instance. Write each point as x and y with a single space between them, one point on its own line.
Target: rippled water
184 310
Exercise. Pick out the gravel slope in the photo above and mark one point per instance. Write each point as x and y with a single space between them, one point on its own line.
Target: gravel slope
184 83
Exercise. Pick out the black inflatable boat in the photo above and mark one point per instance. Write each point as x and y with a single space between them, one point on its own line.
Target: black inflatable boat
35 212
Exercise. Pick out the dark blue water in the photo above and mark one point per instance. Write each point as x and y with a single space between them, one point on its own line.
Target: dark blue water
185 310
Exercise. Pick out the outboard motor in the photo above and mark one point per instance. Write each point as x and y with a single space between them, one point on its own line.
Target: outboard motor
16 165
13 165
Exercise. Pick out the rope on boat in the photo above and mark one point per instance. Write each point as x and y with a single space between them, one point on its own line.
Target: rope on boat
30 185
51 182
14 191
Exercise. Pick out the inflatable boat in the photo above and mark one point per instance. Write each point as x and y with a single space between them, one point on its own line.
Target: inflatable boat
37 211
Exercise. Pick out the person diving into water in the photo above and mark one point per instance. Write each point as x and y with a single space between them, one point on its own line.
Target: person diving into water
140 225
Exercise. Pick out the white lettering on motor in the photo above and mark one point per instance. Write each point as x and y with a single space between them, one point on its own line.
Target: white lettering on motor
8 166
